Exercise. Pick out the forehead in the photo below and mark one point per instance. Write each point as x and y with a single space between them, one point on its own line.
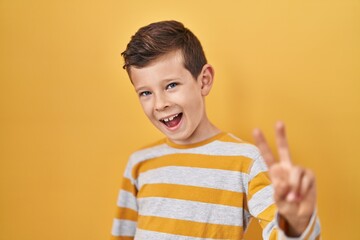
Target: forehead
168 66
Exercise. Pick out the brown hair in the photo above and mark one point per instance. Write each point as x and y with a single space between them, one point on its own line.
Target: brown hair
159 38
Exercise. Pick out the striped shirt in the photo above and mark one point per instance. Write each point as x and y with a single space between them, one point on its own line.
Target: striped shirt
208 190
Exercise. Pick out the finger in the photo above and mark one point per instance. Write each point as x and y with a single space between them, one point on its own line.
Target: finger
295 181
282 144
280 180
281 190
307 182
264 148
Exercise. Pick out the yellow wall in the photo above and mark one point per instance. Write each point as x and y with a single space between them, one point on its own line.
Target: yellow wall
69 117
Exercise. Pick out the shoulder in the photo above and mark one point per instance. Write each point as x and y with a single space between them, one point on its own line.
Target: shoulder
229 144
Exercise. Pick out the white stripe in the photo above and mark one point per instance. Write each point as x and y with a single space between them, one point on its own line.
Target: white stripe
190 211
268 229
199 177
123 228
316 231
261 200
127 199
150 235
216 148
258 166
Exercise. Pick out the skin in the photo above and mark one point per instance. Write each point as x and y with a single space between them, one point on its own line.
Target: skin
165 88
294 186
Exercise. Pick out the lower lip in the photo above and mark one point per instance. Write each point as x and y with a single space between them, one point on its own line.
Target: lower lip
175 127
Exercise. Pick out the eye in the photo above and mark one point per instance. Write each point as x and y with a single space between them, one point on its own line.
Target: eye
144 93
171 85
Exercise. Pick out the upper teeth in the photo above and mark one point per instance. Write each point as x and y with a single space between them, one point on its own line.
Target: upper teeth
170 118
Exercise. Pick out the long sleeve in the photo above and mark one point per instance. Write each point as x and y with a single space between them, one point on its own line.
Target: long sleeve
262 206
125 221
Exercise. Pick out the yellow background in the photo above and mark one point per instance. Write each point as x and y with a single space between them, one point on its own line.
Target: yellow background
69 117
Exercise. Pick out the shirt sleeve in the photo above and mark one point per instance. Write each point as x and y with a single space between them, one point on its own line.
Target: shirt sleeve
125 221
262 206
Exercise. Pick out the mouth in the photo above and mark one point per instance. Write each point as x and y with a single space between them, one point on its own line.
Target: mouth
172 121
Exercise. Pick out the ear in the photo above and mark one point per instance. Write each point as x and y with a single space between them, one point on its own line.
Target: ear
206 79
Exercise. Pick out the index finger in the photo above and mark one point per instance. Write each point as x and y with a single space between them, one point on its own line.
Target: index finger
264 148
282 143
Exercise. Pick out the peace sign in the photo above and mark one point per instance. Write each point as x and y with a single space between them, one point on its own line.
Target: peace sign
294 186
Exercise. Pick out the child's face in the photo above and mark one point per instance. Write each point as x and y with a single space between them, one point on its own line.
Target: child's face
172 99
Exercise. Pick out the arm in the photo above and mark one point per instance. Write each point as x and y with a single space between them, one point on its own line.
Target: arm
293 190
124 223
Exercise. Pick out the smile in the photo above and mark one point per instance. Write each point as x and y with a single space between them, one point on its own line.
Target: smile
172 121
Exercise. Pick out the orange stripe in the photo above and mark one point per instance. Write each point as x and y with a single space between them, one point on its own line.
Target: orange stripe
266 216
258 182
121 238
273 234
199 194
232 163
126 214
198 144
189 228
128 186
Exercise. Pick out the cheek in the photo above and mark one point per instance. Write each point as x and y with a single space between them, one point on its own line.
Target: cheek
194 104
146 106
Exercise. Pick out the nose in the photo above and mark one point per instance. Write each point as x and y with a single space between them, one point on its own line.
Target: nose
161 102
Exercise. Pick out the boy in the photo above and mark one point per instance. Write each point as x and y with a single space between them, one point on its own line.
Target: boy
200 182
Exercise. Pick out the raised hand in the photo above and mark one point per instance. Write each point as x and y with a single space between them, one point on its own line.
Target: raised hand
294 186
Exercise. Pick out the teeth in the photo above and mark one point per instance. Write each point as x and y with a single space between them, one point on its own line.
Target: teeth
170 118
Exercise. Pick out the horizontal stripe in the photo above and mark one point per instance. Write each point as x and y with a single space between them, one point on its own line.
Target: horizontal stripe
267 215
198 177
189 228
216 148
128 186
191 193
151 235
230 163
190 211
127 200
257 183
197 144
270 230
261 200
121 238
126 214
258 167
123 228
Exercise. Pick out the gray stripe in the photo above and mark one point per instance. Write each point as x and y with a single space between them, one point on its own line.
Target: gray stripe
190 211
216 148
258 166
123 228
261 200
127 199
268 229
199 177
150 235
